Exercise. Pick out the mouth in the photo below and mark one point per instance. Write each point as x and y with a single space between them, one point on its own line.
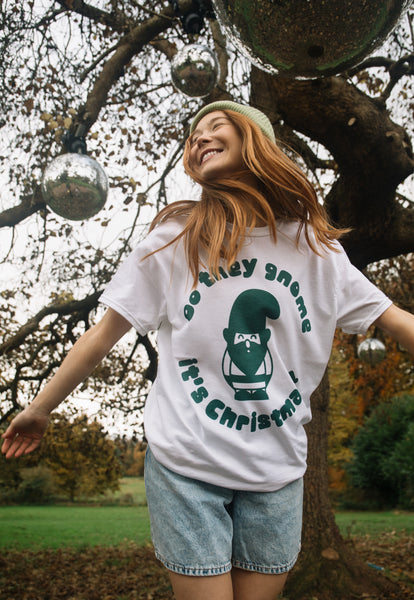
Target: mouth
208 154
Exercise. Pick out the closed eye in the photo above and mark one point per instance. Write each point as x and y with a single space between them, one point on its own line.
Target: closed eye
213 127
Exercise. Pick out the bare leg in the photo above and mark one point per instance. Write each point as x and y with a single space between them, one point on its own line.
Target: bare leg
248 585
214 587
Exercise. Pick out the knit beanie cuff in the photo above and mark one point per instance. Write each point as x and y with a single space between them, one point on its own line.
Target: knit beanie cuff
253 114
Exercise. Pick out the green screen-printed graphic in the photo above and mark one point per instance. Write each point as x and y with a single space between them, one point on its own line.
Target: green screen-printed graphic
247 364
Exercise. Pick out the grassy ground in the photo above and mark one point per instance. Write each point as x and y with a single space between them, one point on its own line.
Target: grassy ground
124 518
131 488
90 551
375 524
74 526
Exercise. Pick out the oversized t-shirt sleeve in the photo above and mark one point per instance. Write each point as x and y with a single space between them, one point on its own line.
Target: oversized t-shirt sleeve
359 302
138 289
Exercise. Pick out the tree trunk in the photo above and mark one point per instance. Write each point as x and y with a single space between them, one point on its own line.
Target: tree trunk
328 568
372 155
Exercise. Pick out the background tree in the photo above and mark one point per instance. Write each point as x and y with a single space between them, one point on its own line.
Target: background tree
357 387
81 456
76 458
105 66
131 454
383 454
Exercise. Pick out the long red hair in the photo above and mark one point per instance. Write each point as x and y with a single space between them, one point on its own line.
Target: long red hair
283 192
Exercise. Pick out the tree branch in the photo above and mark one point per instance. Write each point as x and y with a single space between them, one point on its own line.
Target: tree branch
400 68
373 156
370 63
95 14
151 372
132 43
221 52
395 238
28 205
88 303
287 136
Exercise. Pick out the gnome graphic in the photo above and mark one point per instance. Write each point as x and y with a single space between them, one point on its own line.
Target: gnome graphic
247 364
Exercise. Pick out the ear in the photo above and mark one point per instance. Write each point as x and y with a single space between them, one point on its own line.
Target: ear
227 335
265 336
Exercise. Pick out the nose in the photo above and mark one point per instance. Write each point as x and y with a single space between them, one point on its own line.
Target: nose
203 138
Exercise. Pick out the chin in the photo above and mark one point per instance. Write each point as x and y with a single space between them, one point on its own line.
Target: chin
211 174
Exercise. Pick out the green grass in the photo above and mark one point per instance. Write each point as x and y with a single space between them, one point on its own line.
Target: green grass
375 523
119 522
131 490
75 526
135 487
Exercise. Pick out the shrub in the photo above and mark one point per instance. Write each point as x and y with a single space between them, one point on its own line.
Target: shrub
36 487
383 448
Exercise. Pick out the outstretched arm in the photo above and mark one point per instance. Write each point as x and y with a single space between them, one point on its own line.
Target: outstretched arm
399 324
26 430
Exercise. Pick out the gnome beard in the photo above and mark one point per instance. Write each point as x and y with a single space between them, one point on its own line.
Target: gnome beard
247 352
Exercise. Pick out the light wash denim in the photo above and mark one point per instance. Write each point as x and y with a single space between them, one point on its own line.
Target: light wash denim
202 529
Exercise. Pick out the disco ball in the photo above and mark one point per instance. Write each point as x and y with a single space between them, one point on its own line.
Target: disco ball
194 70
75 186
307 39
371 351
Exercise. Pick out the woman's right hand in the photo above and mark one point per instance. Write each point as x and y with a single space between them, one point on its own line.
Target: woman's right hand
25 432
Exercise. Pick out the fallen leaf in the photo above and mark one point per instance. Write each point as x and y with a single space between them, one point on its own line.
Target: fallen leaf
330 554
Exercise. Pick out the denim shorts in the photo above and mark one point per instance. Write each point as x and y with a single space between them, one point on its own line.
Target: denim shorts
202 529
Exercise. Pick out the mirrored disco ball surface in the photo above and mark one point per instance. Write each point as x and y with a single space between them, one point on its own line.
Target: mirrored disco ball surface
308 38
371 351
75 186
194 70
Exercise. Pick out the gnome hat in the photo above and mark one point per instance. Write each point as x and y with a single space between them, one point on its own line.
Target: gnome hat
250 311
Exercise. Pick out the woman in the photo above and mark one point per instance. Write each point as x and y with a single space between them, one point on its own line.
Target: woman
245 287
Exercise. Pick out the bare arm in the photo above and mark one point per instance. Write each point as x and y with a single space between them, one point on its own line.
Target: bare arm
26 430
399 324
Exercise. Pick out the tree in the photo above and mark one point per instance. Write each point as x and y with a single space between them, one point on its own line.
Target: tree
105 67
79 455
383 453
357 387
131 454
343 417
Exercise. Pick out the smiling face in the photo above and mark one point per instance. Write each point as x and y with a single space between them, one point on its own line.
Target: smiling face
216 147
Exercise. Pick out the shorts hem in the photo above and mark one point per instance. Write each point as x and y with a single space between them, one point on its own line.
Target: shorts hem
265 569
195 571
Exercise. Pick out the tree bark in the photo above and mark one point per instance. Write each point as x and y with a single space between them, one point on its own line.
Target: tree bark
373 156
328 566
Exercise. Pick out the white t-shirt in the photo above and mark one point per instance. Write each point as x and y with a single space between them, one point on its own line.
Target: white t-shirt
240 356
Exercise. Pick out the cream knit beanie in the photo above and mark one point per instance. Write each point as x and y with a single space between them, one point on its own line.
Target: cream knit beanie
248 111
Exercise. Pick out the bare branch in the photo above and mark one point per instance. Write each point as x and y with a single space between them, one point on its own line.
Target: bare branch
396 69
221 52
95 14
151 372
5 417
164 46
28 205
88 303
96 62
287 136
131 45
400 68
370 63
